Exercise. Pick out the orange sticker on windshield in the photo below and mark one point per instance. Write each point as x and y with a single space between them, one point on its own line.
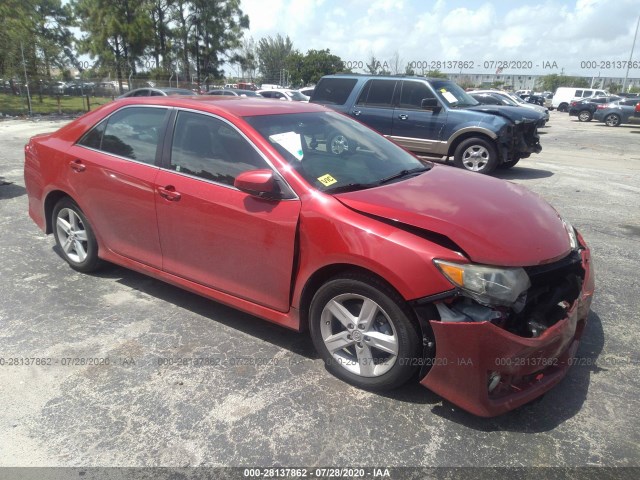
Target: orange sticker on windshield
327 180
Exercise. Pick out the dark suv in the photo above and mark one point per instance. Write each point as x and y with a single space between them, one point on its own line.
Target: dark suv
584 109
431 117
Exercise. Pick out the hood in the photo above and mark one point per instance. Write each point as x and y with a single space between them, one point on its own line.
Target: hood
513 113
494 221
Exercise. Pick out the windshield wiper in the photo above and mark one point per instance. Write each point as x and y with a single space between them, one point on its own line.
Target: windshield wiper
403 173
349 187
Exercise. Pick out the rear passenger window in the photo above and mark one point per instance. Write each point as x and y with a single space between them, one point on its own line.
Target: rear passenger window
131 133
414 92
578 93
333 91
378 93
134 133
206 147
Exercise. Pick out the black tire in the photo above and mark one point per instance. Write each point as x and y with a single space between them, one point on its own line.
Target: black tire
585 115
509 164
476 155
74 236
612 120
392 320
563 107
339 144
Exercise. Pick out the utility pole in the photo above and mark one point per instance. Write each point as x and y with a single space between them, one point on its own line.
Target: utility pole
26 79
626 76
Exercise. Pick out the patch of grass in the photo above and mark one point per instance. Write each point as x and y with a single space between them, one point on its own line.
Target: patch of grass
17 104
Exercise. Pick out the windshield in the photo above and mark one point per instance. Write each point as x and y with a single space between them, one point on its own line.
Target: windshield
452 94
334 153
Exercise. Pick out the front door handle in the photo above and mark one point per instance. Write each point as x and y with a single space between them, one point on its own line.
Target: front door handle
403 116
169 192
77 166
356 112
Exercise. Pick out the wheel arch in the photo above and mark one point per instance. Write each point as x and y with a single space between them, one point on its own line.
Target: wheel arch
320 276
50 201
472 134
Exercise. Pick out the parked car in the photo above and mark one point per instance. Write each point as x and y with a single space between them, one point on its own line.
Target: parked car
307 91
492 98
585 108
519 102
109 89
616 113
157 92
55 88
79 88
564 95
233 92
283 94
397 268
433 118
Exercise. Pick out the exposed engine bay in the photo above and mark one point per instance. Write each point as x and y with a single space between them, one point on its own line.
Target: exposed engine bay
554 289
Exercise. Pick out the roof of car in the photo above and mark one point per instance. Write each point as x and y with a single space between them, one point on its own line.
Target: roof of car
238 106
384 77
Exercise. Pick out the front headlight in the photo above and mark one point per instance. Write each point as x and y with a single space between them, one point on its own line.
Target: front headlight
573 238
487 285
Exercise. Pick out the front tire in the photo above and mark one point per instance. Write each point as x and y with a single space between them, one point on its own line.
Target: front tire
509 164
476 155
74 236
364 332
612 120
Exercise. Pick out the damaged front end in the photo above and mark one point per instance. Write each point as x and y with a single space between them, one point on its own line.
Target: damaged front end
520 140
505 336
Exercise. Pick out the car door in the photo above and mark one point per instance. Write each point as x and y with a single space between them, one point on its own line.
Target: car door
112 169
214 234
414 127
374 106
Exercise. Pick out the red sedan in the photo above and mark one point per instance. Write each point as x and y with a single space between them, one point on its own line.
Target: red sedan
396 267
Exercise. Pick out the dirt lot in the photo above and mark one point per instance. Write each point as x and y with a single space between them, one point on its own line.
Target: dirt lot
136 411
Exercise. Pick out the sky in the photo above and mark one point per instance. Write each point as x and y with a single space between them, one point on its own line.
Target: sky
579 37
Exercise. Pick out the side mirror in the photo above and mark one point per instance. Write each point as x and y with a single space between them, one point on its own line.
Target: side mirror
430 104
258 183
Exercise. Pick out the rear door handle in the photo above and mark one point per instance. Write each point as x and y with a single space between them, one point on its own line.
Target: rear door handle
356 112
403 116
169 192
77 165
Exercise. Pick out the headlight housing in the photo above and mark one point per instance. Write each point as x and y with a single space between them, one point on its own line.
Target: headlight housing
573 237
487 285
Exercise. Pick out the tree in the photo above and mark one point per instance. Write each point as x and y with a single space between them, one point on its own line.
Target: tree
550 83
435 74
375 67
219 26
40 28
117 32
272 57
395 63
317 63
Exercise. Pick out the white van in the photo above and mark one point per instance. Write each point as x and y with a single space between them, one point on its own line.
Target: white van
563 96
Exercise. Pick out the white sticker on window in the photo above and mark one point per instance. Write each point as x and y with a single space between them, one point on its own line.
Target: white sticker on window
290 141
449 97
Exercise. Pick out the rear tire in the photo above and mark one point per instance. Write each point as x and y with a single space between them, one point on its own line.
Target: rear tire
585 116
476 155
563 107
365 332
74 236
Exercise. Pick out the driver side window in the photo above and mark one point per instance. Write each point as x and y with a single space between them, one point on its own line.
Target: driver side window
208 148
412 95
